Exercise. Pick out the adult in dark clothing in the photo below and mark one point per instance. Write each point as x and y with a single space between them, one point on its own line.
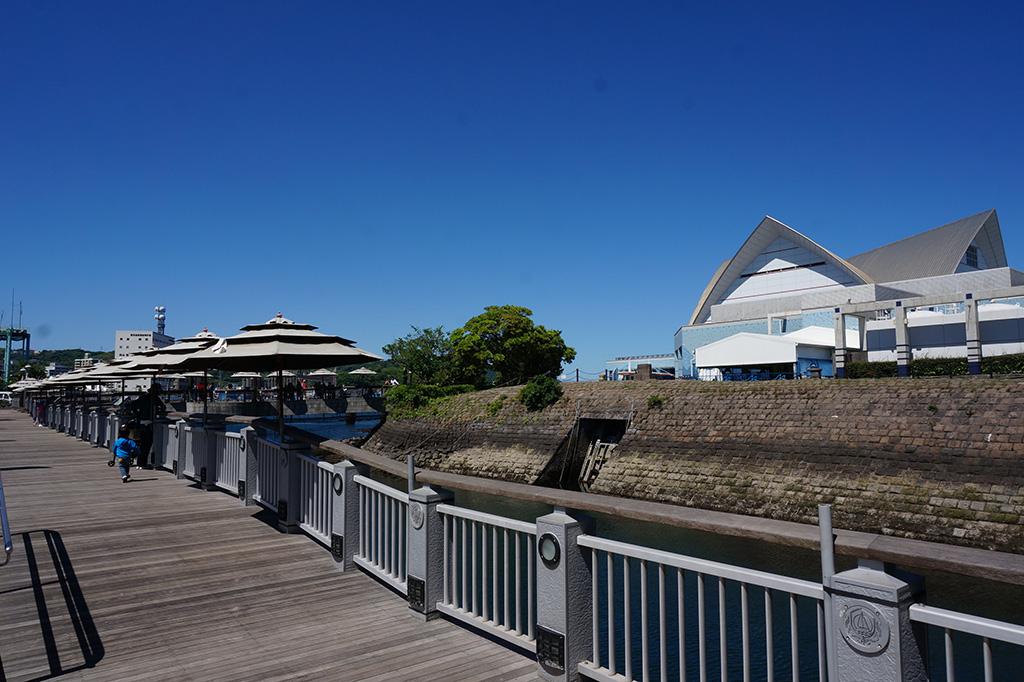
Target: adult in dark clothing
140 414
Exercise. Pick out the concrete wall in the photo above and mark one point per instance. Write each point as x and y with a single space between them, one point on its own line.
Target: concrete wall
933 459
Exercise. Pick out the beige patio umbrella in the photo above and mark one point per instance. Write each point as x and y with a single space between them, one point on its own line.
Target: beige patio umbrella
245 376
362 371
276 346
162 359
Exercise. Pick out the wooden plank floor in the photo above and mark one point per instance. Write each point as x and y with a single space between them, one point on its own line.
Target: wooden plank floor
158 579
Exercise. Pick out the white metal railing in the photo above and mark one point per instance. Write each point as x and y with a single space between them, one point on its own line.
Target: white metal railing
383 532
227 456
316 497
984 629
488 565
188 456
614 651
269 459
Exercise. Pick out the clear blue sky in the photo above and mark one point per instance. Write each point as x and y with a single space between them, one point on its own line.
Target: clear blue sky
368 166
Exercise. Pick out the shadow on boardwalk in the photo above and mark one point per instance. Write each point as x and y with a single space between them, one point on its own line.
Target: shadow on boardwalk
44 564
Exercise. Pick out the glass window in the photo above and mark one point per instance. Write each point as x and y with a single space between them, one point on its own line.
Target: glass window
971 257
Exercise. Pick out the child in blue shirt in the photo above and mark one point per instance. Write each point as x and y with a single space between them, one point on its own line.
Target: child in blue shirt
124 449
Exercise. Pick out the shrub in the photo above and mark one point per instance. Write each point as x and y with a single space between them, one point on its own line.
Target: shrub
937 367
494 407
406 398
539 392
655 402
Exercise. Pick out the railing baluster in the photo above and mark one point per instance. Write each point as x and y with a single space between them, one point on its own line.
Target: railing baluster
472 568
681 617
494 575
822 661
594 615
531 582
627 626
662 644
644 648
986 652
701 633
485 607
610 589
465 576
745 626
508 567
446 551
769 637
723 657
519 583
794 644
947 637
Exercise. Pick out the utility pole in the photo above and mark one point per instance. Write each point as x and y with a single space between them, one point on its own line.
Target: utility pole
577 375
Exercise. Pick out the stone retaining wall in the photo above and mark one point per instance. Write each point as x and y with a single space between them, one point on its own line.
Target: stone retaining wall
932 459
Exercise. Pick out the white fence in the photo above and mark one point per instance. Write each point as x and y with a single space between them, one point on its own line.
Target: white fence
269 460
383 532
316 497
983 630
225 460
663 655
488 566
187 463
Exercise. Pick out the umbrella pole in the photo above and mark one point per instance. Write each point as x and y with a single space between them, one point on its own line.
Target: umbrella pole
206 393
280 405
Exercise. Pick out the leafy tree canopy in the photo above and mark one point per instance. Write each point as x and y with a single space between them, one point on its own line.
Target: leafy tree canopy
425 354
503 345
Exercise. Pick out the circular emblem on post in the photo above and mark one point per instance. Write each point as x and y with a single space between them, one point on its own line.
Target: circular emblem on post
241 443
863 627
338 484
416 514
548 549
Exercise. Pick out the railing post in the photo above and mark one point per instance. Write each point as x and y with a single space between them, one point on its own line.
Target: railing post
247 467
206 459
288 488
179 455
345 513
425 579
874 636
564 603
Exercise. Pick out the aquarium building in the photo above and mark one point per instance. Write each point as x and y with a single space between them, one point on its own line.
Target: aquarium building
772 307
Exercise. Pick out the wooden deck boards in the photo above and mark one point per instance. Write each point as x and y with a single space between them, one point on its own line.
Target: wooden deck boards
158 580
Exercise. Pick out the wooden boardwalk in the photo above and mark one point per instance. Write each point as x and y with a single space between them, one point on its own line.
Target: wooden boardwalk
158 579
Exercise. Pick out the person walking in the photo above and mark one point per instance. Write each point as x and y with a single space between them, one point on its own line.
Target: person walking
124 449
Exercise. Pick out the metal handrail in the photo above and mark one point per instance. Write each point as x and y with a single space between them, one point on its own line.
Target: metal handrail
5 526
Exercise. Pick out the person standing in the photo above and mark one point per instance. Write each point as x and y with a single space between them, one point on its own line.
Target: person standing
124 449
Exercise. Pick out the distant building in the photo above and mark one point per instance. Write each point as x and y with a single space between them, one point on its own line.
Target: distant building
130 342
83 363
53 369
770 308
623 368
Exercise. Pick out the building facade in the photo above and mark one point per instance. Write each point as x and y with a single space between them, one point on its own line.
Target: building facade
130 342
773 305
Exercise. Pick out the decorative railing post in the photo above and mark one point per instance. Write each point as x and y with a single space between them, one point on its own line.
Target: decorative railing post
248 467
177 465
206 457
563 596
874 637
345 513
288 488
425 580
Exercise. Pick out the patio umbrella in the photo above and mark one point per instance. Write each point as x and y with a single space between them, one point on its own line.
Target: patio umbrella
244 376
362 371
162 358
276 346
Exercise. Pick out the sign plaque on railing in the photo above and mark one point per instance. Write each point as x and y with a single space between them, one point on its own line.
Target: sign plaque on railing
551 650
416 592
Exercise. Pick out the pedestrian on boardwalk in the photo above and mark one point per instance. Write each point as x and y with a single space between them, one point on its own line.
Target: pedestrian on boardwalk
124 449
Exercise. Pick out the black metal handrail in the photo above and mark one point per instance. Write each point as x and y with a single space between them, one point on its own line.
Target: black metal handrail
5 526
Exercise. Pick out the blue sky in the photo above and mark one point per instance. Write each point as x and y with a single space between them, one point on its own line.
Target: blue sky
370 166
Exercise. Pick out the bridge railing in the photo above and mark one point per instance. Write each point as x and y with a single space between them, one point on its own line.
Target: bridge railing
225 460
316 497
269 459
383 532
659 609
187 464
488 569
982 630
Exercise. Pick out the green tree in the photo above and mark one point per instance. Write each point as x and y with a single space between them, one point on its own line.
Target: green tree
424 353
503 345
